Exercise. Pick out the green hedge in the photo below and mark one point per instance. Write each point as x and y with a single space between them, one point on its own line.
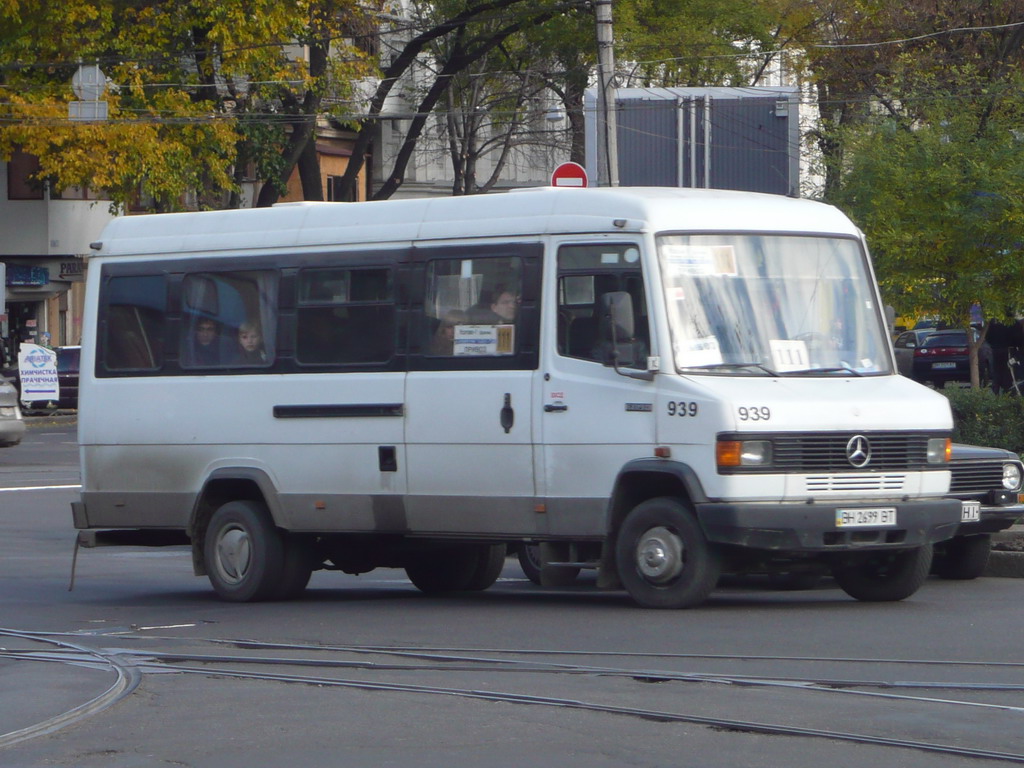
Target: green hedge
983 418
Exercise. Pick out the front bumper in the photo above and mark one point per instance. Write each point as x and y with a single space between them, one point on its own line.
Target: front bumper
999 511
802 527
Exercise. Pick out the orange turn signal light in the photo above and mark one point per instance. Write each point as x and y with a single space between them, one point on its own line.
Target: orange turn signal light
728 453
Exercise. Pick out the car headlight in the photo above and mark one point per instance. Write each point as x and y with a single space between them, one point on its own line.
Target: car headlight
743 453
1011 476
940 450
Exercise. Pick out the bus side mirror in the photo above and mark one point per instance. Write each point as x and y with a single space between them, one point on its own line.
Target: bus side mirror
617 307
618 336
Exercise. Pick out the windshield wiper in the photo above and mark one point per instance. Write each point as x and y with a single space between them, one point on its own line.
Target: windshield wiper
837 369
733 366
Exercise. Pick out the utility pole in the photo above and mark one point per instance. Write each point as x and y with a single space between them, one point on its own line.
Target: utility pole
607 139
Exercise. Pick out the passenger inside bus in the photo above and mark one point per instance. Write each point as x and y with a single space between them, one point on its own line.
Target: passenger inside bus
250 345
204 349
499 310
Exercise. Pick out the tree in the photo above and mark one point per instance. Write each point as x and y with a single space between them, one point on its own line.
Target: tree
471 32
940 197
860 55
197 86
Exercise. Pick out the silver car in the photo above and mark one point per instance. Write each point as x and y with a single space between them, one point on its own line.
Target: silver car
904 346
12 426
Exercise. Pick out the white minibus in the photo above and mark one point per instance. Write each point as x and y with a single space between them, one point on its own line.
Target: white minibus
662 384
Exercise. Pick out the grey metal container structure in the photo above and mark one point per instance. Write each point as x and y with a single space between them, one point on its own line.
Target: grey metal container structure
720 138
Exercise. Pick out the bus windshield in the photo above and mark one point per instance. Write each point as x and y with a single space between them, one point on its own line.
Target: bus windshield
771 305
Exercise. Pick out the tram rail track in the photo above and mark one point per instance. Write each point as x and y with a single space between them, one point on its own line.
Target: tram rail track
132 664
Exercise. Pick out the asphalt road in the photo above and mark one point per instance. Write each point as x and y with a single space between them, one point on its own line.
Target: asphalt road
141 665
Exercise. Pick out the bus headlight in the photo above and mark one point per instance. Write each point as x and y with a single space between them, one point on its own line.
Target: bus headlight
1011 476
940 450
743 453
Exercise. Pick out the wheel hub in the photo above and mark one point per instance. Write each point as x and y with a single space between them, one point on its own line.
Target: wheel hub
234 553
659 555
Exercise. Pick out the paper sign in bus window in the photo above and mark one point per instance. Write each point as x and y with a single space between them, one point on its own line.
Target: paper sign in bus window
700 259
789 355
483 340
702 351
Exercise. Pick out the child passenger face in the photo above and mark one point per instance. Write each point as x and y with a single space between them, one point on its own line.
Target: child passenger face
250 340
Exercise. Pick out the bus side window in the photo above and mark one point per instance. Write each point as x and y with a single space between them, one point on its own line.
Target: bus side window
134 336
472 307
345 316
585 274
229 319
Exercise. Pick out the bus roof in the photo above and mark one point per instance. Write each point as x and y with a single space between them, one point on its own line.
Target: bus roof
535 211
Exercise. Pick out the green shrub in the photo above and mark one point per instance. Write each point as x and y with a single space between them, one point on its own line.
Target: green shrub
983 418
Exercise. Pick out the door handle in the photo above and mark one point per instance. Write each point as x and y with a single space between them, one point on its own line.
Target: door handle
555 408
508 416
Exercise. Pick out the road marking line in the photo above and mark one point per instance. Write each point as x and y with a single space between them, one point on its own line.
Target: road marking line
42 488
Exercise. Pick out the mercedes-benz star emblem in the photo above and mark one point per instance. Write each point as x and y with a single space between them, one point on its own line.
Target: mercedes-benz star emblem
858 451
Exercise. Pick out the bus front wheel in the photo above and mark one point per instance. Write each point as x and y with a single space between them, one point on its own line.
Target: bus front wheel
663 558
546 575
247 558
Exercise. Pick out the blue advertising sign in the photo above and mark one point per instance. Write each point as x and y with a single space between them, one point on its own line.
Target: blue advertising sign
19 274
37 369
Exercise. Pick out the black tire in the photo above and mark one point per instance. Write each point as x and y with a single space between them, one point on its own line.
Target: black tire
879 577
245 553
663 558
490 563
963 558
457 568
297 568
549 576
529 561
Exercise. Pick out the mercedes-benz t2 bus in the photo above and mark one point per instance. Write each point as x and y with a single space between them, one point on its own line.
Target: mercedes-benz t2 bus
661 384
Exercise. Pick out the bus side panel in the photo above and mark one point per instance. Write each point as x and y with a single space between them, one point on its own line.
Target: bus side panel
163 437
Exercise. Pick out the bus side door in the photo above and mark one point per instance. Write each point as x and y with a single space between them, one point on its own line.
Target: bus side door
473 350
592 419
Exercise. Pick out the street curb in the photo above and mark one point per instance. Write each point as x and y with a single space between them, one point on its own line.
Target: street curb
1005 564
50 420
1007 556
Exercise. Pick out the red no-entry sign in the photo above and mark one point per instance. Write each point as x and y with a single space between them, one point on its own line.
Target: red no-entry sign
569 175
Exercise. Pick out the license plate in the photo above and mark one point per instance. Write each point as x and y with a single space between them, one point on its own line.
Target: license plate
943 365
865 518
970 512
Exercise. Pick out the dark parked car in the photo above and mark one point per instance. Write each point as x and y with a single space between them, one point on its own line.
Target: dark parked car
988 482
944 357
67 377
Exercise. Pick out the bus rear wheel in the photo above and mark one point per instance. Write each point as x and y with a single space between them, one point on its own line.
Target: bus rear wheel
248 559
663 558
458 568
879 577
